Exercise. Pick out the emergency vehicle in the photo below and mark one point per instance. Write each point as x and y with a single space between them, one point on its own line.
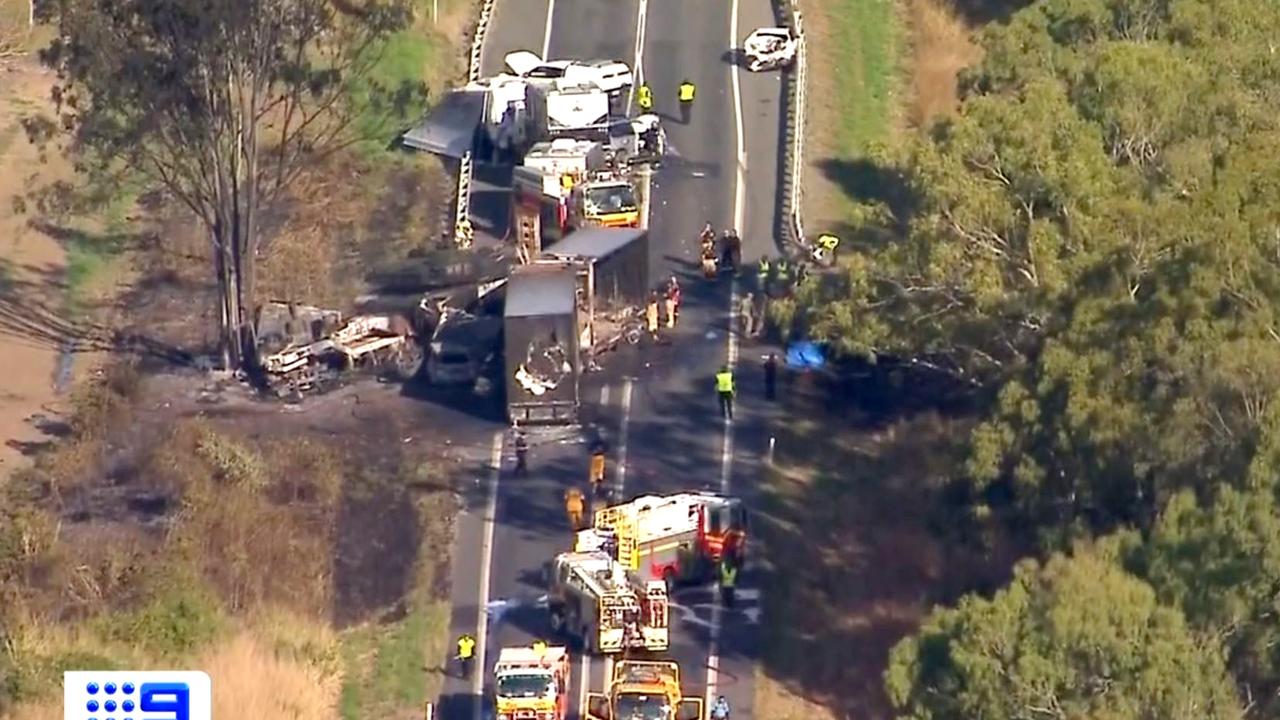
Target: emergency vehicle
644 689
532 683
604 199
596 601
676 538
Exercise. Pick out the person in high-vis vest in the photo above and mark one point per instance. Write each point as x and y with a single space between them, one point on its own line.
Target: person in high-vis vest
724 388
762 273
687 91
644 97
574 506
466 651
827 244
728 579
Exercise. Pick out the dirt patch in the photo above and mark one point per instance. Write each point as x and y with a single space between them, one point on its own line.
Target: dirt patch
941 46
32 273
854 549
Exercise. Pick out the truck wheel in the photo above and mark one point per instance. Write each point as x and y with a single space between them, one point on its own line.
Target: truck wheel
557 621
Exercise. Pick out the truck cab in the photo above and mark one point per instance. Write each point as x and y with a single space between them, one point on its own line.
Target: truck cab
644 690
605 202
532 683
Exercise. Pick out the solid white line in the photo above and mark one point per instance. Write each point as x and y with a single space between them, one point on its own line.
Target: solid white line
486 559
637 64
584 681
726 454
546 37
740 190
604 395
622 449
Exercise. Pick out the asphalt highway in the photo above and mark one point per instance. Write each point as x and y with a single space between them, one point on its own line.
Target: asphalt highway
655 403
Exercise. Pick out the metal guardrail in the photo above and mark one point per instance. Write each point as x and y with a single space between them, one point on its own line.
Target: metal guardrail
462 234
797 91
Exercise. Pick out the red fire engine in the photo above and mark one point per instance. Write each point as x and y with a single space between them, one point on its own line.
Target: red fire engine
676 538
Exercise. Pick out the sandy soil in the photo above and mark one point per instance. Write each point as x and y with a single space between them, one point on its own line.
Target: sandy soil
31 270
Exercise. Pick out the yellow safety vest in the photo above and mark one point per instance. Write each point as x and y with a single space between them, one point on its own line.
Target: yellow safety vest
466 645
645 97
724 382
728 575
686 92
828 242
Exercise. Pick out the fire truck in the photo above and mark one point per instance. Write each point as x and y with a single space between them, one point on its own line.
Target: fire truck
567 184
596 601
675 538
532 683
644 689
604 199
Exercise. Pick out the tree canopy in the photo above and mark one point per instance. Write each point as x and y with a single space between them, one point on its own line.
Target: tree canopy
1076 638
1092 240
222 102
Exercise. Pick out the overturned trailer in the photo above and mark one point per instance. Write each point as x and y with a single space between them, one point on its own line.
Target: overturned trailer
611 266
540 343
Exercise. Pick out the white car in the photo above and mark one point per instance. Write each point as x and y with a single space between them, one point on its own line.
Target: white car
609 75
770 48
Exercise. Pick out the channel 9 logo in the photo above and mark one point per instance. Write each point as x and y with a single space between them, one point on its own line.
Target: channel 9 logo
130 695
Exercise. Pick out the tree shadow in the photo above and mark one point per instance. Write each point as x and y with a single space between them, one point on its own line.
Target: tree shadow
860 536
983 12
866 181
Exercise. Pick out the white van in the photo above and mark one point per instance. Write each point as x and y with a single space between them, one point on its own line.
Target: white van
612 76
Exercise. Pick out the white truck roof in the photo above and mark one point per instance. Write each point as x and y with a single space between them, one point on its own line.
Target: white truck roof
526 658
660 516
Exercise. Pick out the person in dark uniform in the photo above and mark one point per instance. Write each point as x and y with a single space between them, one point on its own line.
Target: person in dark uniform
522 452
771 377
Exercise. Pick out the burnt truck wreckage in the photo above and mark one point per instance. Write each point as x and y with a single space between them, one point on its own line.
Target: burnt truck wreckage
304 349
540 344
578 300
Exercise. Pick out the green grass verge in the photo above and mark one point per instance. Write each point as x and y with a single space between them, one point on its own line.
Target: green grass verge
384 663
867 40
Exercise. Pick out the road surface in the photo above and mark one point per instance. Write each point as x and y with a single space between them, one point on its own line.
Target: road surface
656 402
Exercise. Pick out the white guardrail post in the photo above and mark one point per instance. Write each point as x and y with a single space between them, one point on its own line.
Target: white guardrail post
462 210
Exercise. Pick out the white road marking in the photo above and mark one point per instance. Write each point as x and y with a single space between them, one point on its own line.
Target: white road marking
583 682
637 65
622 443
726 454
604 395
486 559
546 36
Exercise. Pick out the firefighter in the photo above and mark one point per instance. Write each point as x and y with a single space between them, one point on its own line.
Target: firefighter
651 314
720 711
728 580
540 649
671 303
644 97
522 451
724 387
573 506
466 651
596 474
771 377
687 91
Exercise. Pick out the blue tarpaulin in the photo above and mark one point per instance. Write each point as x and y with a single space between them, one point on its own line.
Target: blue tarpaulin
805 355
